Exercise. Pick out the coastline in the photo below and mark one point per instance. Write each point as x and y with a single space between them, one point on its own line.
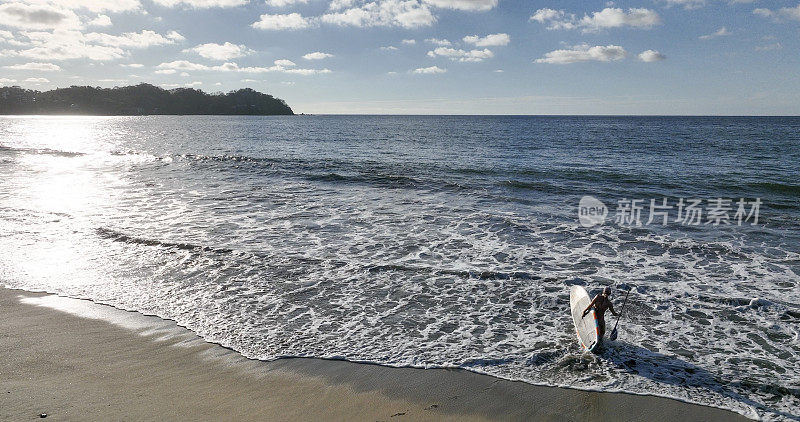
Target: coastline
111 364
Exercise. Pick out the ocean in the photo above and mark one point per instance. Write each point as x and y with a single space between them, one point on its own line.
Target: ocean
432 241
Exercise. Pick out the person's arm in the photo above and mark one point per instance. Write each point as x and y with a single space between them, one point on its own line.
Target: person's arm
611 308
586 311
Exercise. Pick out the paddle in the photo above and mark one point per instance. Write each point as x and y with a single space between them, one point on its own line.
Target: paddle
613 335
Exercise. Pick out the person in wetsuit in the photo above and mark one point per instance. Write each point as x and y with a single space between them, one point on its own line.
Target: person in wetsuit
600 303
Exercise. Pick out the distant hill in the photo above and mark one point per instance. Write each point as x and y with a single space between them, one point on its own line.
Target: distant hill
137 100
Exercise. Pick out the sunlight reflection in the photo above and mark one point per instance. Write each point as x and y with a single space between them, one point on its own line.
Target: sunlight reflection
57 179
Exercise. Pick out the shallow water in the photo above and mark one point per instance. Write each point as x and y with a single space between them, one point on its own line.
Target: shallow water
426 241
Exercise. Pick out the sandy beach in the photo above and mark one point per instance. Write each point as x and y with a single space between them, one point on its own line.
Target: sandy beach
110 364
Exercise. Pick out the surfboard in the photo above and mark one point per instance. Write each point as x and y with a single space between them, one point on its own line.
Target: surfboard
586 328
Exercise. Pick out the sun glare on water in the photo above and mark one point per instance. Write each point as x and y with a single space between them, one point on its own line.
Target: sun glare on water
52 168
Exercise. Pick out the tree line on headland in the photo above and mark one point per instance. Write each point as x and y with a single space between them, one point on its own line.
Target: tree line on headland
142 99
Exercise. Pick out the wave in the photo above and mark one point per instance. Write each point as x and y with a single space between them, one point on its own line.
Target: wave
122 237
534 186
465 274
376 179
775 187
481 275
335 171
227 158
41 151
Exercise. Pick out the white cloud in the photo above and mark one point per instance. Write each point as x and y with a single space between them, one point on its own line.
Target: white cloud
284 62
429 70
409 42
100 20
769 47
551 16
38 16
304 71
175 36
287 83
165 71
341 4
187 85
617 18
284 3
469 5
67 44
584 53
143 39
389 48
37 80
112 6
462 55
43 67
488 41
402 13
722 32
183 65
605 19
8 38
225 51
5 81
498 71
784 12
437 41
201 4
687 4
317 55
387 8
351 17
651 56
764 13
64 45
278 22
133 65
184 74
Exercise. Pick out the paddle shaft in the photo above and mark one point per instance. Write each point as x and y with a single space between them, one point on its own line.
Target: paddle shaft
624 302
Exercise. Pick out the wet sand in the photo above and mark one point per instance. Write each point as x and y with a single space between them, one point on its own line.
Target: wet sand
109 364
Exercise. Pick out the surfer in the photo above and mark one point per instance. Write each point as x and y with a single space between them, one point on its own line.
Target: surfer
600 303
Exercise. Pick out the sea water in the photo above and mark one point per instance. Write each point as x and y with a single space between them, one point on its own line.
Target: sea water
430 241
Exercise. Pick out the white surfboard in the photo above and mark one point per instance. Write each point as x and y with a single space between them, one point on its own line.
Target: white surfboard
586 328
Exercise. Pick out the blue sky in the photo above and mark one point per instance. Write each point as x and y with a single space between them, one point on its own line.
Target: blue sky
423 56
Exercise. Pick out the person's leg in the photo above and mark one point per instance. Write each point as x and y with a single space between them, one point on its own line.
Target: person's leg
601 322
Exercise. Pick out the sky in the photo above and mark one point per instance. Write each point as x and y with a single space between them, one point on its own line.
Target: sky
700 57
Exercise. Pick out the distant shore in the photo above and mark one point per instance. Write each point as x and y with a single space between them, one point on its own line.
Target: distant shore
137 100
114 365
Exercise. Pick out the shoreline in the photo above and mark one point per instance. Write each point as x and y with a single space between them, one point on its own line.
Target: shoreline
113 364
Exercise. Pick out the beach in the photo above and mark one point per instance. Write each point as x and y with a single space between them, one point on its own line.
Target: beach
115 365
